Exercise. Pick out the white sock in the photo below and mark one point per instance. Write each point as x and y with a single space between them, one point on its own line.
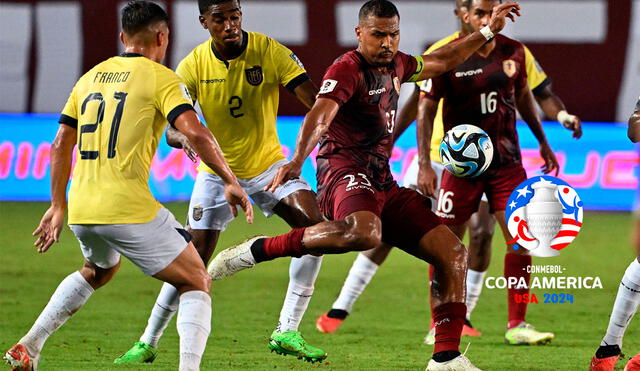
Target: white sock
68 298
161 314
359 277
625 305
302 276
194 326
475 280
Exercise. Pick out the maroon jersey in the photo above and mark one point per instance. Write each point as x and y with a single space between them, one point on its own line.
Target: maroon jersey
361 133
481 92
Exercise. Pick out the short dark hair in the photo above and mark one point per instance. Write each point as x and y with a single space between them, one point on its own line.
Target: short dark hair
138 15
203 5
378 8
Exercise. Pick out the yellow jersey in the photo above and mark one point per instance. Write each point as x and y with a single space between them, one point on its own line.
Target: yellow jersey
119 108
239 98
536 79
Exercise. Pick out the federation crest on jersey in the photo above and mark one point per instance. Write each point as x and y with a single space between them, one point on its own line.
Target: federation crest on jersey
509 67
254 75
544 215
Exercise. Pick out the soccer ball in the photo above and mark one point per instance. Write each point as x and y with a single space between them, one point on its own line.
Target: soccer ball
466 151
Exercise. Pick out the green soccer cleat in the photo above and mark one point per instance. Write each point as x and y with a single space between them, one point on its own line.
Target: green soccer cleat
525 334
139 353
292 343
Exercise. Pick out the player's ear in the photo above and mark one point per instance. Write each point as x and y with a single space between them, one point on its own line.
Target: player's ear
358 33
203 22
122 37
466 17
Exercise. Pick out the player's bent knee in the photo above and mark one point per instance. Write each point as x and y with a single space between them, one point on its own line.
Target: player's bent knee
480 236
96 276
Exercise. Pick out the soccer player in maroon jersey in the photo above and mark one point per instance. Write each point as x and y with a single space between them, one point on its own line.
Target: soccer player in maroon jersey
353 118
485 91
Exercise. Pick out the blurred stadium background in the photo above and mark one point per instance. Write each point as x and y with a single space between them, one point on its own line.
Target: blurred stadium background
589 48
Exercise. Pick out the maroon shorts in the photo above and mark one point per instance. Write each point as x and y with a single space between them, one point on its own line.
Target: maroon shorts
458 198
405 214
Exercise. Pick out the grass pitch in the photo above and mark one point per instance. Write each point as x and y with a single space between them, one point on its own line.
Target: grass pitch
384 332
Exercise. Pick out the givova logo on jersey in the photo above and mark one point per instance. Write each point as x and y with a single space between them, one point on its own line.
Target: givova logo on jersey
544 215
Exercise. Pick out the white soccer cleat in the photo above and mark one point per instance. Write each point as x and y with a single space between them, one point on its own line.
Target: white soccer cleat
233 260
460 363
525 334
430 338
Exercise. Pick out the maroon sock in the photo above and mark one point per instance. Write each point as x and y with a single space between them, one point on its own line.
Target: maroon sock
449 319
288 244
516 266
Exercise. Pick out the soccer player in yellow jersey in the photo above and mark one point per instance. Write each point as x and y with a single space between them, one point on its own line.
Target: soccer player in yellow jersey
116 115
235 76
481 225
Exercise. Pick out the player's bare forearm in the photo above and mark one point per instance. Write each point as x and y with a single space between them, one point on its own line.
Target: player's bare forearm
174 137
407 114
527 109
315 125
306 93
205 145
427 109
61 159
550 103
634 126
451 55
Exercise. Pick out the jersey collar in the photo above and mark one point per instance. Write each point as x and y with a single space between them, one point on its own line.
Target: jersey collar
243 47
129 55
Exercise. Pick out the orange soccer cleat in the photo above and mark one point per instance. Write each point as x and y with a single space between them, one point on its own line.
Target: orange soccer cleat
328 325
18 358
634 364
603 364
469 330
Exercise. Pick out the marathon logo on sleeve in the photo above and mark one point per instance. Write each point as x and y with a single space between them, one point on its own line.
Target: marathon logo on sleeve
327 86
297 60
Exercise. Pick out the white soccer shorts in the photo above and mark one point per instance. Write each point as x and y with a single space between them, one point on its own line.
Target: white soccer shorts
150 246
208 209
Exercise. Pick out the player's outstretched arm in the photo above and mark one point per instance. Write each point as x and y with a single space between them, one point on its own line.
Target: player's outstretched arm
176 139
451 55
427 178
633 132
407 114
306 93
315 124
526 107
209 151
553 107
50 226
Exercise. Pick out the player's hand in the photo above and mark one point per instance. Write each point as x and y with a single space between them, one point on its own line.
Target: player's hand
290 170
236 196
550 161
575 125
49 229
188 149
427 181
501 13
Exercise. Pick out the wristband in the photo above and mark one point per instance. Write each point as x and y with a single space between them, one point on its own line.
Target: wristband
487 33
564 116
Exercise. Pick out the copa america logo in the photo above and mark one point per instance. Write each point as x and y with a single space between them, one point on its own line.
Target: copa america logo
544 215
